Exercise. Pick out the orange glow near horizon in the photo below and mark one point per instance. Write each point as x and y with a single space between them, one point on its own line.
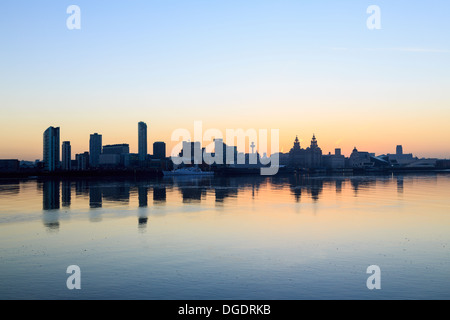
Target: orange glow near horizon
428 140
374 125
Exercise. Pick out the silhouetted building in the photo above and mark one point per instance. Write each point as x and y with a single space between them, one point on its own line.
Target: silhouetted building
116 149
313 154
309 158
95 149
66 156
109 160
9 165
82 161
231 156
23 164
113 155
159 150
228 155
131 160
51 149
334 161
400 158
192 152
443 164
220 151
297 155
360 159
142 130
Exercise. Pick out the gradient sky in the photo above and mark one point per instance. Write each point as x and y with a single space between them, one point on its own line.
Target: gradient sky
302 67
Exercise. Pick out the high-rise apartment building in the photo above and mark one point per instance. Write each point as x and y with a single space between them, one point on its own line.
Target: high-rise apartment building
159 150
95 149
51 149
142 131
66 156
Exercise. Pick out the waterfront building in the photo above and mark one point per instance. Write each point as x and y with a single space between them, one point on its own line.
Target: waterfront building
159 150
95 149
51 149
66 156
142 133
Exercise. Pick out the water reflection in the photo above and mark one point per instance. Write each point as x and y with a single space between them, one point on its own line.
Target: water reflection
143 196
116 192
51 221
299 229
338 185
51 192
362 183
142 223
66 193
50 204
81 188
159 194
194 191
11 188
400 184
312 186
95 195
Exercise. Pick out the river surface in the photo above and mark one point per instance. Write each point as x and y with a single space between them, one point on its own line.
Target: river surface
227 238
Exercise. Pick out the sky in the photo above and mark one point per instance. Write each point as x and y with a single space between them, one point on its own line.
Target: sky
303 67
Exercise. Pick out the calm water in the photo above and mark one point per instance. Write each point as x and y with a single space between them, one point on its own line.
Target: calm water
227 238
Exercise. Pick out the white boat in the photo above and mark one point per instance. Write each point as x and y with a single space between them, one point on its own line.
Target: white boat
190 171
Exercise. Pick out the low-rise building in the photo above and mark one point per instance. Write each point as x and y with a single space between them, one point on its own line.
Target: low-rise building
9 165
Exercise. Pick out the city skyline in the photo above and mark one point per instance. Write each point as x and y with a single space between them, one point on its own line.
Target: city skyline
310 158
96 142
297 67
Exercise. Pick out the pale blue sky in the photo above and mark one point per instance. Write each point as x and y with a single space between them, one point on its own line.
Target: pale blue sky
173 62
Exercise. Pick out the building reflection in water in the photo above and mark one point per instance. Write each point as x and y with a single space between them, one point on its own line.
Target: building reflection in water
400 184
222 193
51 195
192 194
95 201
81 188
95 195
191 190
310 185
159 194
11 188
143 196
66 193
143 210
51 204
316 188
116 192
362 183
338 185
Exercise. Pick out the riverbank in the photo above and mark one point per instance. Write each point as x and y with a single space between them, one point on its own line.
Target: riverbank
155 173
